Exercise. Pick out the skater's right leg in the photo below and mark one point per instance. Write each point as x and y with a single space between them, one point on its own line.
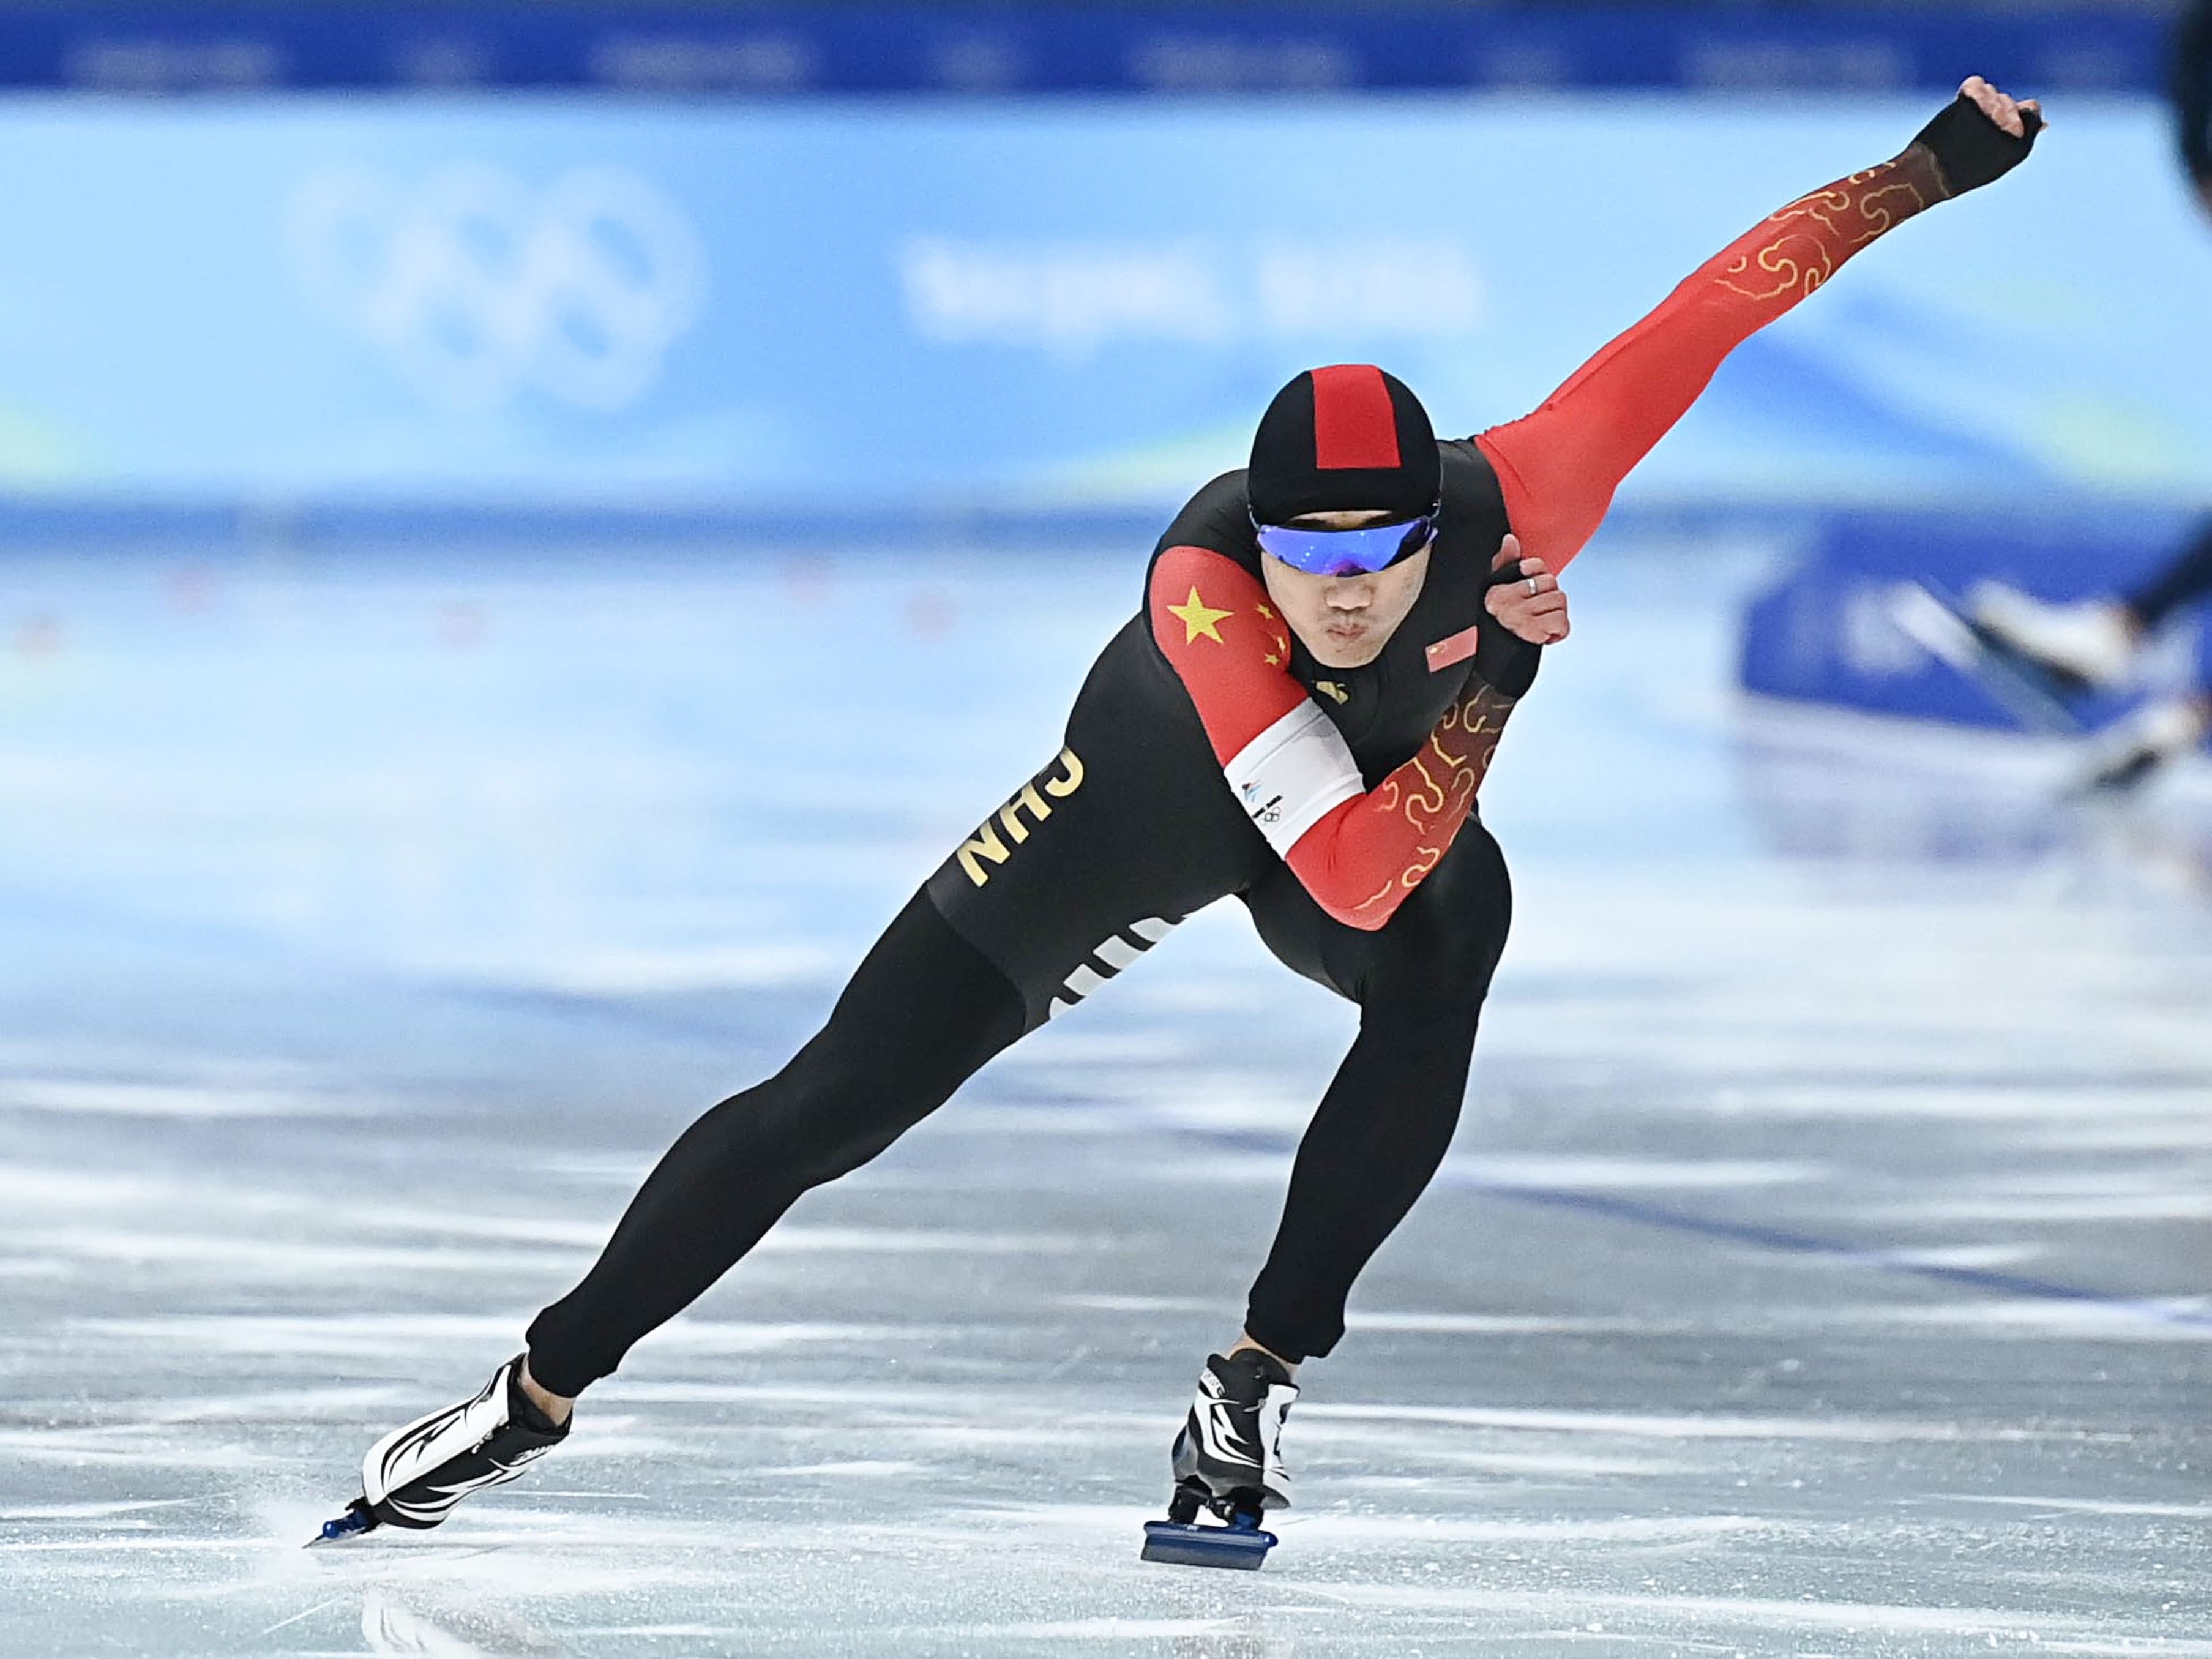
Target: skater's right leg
923 1012
2181 582
1062 887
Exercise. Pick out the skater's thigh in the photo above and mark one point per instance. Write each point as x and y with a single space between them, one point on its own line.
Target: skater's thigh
1439 948
1091 863
921 1013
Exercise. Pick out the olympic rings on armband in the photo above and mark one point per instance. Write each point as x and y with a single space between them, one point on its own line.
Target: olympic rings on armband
474 285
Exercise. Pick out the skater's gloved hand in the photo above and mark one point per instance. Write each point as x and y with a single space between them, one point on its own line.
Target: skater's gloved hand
1984 135
1526 596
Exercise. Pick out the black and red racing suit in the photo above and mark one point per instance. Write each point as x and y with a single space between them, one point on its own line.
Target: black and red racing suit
1209 754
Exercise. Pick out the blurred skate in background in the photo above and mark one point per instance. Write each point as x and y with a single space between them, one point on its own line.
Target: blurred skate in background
2093 645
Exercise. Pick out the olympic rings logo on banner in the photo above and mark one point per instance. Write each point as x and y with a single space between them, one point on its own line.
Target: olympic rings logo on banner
474 285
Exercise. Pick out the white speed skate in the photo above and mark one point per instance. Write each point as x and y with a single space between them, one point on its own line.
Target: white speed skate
416 1475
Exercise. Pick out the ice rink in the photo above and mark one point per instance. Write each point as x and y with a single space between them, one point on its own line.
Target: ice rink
1824 1265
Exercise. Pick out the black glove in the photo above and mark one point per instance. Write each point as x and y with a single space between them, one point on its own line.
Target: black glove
1502 656
1973 150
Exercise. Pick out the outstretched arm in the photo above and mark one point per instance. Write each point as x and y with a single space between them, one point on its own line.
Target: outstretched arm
1559 466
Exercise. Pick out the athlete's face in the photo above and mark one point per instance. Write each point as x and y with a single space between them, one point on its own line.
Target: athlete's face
1345 620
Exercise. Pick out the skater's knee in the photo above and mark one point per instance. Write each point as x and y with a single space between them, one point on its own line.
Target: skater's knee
828 1113
1445 982
844 1097
1460 975
1439 964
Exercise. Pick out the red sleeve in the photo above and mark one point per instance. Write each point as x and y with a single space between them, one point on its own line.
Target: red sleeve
1559 466
1226 643
1359 852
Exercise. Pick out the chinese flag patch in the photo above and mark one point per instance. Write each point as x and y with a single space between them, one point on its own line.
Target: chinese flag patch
1455 647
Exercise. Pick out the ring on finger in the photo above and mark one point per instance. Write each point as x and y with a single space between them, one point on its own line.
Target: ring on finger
1531 584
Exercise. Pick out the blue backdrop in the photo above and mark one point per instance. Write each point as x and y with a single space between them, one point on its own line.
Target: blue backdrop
1077 305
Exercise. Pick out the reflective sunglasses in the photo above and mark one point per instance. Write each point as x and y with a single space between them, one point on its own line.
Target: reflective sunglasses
1342 552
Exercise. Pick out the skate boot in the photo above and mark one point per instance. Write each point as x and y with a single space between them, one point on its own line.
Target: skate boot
1228 1459
415 1475
2077 648
2142 745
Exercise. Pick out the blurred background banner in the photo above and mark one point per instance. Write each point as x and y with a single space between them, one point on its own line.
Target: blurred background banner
497 303
1157 48
1837 625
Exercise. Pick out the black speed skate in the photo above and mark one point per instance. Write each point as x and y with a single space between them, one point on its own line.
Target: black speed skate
1228 1460
416 1475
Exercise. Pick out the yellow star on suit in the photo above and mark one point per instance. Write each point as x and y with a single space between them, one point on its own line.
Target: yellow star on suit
1198 619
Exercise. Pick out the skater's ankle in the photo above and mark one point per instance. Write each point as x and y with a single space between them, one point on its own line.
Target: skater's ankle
556 1407
1244 1344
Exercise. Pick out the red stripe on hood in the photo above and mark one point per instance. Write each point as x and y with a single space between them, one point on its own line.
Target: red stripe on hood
1354 425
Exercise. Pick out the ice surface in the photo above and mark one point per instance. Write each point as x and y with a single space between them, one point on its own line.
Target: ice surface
1823 1265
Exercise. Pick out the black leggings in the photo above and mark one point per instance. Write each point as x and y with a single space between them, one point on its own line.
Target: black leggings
922 1015
1128 829
2186 578
926 1010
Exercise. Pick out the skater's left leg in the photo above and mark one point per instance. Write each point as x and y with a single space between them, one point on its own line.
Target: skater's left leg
1372 1147
1382 1127
2179 582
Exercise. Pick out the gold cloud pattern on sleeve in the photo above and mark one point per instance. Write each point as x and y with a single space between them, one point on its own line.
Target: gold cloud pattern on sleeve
1815 234
1436 789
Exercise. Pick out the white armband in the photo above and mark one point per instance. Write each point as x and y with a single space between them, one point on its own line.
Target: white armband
1290 775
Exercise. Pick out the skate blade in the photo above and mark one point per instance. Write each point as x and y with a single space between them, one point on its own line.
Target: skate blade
355 1522
2040 698
1187 1545
2046 695
2117 781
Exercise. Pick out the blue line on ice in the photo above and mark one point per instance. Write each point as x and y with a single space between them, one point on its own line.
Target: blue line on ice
1797 1243
1917 1263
